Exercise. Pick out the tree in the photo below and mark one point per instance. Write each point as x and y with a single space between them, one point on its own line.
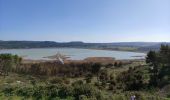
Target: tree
7 62
120 64
104 77
96 68
115 64
151 58
17 60
160 67
133 79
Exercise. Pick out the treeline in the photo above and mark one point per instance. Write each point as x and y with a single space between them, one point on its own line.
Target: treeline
58 69
156 74
13 63
159 63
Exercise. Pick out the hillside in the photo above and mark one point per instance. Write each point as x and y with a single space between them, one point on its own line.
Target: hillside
126 46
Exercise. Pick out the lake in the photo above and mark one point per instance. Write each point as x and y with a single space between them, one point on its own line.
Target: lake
73 53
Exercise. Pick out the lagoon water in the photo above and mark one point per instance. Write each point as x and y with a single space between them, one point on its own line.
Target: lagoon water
73 53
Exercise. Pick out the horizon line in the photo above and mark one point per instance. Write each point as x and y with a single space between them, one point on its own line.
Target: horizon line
91 42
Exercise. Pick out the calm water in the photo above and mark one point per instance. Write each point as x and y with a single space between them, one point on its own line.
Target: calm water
74 54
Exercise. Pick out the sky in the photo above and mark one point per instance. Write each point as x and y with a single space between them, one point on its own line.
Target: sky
85 20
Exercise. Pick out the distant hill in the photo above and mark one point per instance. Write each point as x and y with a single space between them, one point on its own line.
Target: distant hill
127 46
152 47
26 44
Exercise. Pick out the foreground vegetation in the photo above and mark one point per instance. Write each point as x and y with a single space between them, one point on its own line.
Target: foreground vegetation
148 80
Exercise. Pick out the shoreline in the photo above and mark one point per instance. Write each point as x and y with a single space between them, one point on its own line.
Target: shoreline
88 59
79 48
64 57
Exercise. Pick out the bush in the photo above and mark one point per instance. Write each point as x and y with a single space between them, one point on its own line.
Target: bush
133 79
56 80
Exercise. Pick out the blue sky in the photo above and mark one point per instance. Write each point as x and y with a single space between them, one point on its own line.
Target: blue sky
85 20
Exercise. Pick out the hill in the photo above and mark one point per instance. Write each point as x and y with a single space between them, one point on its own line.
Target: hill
126 46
